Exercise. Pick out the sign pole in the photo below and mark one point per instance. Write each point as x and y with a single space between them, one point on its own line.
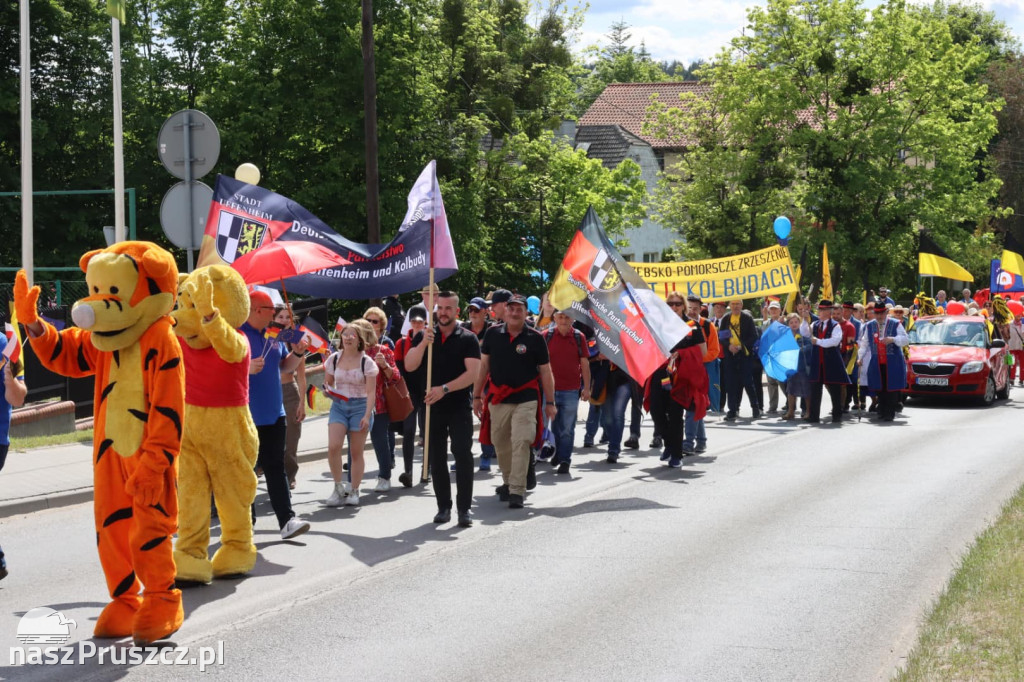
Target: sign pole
27 253
115 28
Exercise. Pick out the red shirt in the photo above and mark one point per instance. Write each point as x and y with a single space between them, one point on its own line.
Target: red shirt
210 381
565 352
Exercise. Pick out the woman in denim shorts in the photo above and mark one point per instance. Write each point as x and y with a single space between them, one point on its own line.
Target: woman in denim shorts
349 377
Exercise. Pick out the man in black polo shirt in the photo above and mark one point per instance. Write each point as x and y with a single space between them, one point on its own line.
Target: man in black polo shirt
455 367
516 359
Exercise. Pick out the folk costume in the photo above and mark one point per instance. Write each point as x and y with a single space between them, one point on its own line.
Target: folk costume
827 368
883 368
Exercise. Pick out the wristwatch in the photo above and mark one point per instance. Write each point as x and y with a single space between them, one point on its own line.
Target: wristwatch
444 389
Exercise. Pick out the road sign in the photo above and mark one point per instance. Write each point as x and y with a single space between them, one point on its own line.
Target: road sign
183 212
188 134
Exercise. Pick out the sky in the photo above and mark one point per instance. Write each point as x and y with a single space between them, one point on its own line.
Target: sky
697 29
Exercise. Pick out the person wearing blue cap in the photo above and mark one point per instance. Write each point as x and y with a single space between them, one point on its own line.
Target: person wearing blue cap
477 322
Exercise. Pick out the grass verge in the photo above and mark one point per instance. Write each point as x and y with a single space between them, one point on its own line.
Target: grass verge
32 442
976 629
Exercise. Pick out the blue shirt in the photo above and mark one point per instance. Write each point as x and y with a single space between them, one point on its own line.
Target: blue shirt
5 407
266 402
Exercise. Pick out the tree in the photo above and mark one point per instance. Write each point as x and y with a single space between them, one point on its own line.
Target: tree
877 120
536 192
616 62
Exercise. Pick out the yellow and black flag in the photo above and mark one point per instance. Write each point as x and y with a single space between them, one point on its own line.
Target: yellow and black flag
1013 256
933 261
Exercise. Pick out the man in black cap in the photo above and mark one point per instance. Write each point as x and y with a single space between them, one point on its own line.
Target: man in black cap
499 299
455 367
826 365
880 354
416 381
516 362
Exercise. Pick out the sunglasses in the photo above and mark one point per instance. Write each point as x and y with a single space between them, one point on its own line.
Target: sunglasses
372 320
676 304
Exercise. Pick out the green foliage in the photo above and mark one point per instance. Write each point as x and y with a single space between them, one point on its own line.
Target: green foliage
617 62
283 80
863 129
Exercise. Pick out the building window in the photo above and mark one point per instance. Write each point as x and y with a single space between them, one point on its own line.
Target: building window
628 257
652 257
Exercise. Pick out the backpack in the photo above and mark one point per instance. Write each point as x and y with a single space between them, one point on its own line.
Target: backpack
337 354
581 340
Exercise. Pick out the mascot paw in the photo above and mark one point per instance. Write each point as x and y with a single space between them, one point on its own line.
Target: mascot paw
233 561
146 486
192 569
25 299
116 619
160 616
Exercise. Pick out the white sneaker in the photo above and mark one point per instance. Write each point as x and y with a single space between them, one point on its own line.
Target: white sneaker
352 499
294 528
383 485
338 495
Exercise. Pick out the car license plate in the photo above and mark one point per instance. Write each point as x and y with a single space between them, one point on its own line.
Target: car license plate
932 381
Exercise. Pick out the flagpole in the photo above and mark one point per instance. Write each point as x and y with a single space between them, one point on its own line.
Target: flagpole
27 257
430 347
115 29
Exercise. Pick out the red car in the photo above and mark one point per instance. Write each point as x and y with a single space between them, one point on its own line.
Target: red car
953 355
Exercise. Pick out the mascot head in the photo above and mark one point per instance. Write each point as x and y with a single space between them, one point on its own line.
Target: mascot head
230 297
131 286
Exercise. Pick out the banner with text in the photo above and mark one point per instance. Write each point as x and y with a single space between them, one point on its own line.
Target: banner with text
768 272
244 217
633 327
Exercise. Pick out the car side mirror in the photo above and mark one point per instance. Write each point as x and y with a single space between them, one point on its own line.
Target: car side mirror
998 343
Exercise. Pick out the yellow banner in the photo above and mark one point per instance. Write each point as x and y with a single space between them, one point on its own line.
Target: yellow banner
768 272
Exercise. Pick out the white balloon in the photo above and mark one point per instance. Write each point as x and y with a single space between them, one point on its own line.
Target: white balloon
249 173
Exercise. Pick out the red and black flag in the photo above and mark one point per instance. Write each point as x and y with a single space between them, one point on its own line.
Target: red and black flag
318 342
634 328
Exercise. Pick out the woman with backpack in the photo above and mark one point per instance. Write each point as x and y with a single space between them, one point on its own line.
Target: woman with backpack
350 380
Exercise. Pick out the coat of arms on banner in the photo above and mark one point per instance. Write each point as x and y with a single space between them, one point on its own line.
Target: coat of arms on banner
237 235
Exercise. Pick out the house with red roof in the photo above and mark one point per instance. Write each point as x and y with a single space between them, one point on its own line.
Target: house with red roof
612 130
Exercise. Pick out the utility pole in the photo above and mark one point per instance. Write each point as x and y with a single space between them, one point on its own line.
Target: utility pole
370 127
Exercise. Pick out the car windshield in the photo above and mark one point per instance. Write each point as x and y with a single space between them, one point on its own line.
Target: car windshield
948 333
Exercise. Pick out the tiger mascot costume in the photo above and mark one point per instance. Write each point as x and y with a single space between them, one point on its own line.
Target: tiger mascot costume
218 450
124 338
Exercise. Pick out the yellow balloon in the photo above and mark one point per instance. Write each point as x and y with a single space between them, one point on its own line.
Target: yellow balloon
248 172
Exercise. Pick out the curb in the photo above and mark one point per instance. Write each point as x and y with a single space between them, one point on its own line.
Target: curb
66 498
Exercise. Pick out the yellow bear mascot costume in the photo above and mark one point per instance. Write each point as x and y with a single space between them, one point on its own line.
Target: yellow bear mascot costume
218 449
124 338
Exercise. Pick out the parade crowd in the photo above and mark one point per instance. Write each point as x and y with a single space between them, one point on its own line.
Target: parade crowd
524 376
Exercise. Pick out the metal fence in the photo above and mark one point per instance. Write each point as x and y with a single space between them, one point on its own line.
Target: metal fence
58 292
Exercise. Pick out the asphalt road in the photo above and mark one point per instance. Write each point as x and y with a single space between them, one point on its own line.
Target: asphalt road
786 553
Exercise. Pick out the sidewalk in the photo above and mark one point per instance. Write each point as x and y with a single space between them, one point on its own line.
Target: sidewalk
61 475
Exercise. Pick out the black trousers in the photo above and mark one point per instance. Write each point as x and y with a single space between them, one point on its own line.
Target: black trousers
418 415
271 459
738 377
667 415
887 399
454 425
835 392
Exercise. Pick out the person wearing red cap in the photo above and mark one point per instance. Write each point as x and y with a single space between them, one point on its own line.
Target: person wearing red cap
266 403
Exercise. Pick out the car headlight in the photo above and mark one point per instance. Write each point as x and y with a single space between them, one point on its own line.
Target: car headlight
972 367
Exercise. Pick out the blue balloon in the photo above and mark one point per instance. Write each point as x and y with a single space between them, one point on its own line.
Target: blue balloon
533 305
782 227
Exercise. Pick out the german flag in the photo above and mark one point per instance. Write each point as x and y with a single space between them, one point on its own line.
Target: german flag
1013 256
933 261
